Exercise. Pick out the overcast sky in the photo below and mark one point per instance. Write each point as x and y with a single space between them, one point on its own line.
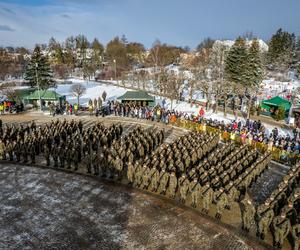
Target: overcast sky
177 22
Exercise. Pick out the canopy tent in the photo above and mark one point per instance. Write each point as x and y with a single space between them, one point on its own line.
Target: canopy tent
138 96
276 102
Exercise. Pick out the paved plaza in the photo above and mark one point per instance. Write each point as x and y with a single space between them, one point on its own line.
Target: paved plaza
47 209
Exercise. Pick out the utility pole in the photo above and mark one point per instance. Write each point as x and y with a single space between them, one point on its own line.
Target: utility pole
38 86
115 64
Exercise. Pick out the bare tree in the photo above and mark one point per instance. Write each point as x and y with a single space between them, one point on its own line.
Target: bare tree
77 90
173 86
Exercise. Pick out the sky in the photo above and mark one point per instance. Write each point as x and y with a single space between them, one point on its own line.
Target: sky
176 22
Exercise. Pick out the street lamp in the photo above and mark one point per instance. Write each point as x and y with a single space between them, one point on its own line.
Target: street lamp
115 64
38 86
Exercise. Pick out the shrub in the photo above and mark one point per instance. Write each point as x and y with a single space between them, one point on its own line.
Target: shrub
279 114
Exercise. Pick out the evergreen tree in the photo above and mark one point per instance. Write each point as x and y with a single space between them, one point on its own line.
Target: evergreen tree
207 43
135 52
298 49
98 50
254 74
281 50
38 72
298 71
254 65
116 52
236 63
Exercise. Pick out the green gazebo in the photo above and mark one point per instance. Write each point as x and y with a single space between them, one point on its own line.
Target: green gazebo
137 96
274 103
45 96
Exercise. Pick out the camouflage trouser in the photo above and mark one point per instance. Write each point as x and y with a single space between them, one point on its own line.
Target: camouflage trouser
153 185
4 155
103 170
62 162
89 168
194 196
220 207
130 176
279 236
296 244
247 220
75 165
263 226
18 156
137 180
11 156
25 158
206 203
96 169
171 191
55 159
47 160
183 193
69 164
32 156
162 188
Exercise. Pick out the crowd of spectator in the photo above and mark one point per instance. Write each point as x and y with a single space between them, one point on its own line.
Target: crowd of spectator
249 131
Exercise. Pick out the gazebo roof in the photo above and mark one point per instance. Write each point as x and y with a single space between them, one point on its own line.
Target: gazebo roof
45 95
136 96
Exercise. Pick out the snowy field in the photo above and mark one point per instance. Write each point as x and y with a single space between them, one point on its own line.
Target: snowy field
93 91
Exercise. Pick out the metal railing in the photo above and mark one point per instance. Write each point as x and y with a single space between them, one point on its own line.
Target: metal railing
278 154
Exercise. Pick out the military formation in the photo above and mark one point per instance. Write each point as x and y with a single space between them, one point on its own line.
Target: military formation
194 169
196 166
280 213
62 143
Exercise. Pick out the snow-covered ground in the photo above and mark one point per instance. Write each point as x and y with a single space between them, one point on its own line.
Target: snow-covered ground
93 91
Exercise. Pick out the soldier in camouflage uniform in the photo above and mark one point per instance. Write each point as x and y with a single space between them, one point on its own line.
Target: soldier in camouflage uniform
139 171
248 212
221 200
17 150
10 150
87 161
47 155
24 153
154 180
265 215
61 156
75 158
163 182
172 185
183 184
295 231
281 226
55 152
130 172
207 197
31 149
95 161
69 158
194 189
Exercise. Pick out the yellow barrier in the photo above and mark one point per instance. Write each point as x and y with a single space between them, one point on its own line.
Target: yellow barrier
278 154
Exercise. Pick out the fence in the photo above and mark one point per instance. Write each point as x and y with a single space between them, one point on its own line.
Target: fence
278 155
